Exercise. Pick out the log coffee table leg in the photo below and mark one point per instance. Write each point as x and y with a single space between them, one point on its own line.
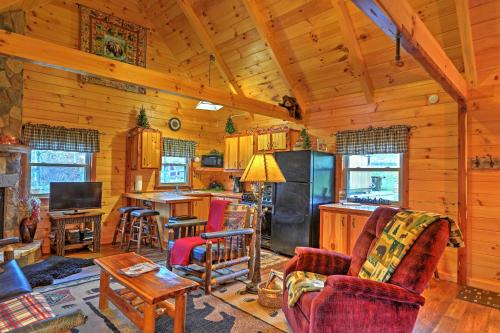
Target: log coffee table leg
149 318
103 290
180 313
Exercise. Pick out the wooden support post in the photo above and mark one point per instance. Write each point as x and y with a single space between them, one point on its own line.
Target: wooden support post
462 265
465 30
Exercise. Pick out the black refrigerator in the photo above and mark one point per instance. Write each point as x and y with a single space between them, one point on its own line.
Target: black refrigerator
310 177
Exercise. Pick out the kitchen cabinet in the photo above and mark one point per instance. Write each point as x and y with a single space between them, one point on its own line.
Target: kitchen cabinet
264 142
230 199
340 227
279 140
333 233
201 208
357 223
231 153
245 151
144 148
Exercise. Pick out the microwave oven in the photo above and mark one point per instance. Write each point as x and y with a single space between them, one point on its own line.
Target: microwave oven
212 161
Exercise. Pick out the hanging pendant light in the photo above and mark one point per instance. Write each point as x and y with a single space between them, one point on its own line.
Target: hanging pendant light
206 105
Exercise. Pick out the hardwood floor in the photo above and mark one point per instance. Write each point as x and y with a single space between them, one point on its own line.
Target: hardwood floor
442 312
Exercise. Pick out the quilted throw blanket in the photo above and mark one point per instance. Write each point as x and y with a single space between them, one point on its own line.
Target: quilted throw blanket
397 238
299 282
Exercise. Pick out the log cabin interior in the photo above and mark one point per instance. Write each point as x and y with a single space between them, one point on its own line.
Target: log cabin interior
249 166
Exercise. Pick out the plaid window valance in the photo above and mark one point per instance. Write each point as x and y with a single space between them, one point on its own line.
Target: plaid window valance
178 148
40 136
379 140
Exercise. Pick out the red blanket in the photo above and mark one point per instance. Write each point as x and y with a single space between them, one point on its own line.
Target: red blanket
181 251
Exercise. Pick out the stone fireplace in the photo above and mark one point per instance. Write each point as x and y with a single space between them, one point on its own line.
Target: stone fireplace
11 97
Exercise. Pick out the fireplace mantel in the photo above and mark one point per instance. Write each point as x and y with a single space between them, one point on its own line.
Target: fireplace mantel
19 149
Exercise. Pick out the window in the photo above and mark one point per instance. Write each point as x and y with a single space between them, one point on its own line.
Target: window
375 178
57 166
174 171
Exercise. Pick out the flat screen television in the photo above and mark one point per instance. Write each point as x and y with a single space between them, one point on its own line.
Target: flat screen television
73 196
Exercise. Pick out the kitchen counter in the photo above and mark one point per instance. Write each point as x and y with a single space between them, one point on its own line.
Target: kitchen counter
162 197
349 209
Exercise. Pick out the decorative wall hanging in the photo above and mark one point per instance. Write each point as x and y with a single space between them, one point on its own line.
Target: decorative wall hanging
174 124
290 103
114 38
142 118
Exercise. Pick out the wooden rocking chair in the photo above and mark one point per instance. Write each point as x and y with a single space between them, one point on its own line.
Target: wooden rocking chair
222 249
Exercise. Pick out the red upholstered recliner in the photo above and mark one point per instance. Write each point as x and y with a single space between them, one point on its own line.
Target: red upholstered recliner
350 304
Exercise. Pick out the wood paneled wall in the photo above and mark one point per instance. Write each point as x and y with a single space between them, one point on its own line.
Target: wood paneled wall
58 98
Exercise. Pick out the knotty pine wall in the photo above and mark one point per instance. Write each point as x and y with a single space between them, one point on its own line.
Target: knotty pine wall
56 97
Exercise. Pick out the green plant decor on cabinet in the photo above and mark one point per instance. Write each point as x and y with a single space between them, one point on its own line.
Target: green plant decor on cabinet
142 118
306 140
230 126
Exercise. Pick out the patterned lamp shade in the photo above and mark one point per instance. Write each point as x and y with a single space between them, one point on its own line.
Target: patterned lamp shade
263 168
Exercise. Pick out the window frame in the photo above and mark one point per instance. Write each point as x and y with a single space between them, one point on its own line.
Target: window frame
90 174
189 170
403 177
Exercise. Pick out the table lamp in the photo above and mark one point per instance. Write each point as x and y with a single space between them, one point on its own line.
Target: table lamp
261 169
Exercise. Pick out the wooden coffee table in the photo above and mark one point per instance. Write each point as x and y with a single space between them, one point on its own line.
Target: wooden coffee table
143 297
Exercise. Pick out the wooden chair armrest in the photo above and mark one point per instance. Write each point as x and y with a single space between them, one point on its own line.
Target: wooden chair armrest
228 233
180 224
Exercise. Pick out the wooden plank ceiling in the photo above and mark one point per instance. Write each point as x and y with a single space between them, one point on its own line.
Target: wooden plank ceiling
306 31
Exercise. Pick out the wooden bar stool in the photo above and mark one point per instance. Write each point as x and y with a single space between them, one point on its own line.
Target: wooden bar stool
123 225
144 228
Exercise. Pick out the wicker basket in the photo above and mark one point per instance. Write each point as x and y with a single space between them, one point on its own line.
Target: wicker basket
271 298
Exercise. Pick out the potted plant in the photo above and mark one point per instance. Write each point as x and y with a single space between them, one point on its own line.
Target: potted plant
29 208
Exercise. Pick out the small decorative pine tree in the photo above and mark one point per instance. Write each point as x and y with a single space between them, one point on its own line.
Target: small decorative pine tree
142 118
230 126
306 140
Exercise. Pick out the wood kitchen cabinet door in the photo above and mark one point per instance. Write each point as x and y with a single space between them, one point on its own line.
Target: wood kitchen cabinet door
231 153
357 223
150 149
245 151
279 140
201 208
333 231
264 142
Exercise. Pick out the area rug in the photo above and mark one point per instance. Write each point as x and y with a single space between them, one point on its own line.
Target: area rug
44 272
207 314
480 296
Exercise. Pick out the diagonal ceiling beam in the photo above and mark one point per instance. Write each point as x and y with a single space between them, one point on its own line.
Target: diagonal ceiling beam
56 56
417 40
209 45
349 37
464 28
294 84
7 4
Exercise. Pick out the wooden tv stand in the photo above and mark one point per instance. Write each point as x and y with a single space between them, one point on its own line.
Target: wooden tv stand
58 222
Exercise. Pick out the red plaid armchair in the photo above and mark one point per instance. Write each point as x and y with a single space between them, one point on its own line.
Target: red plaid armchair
350 304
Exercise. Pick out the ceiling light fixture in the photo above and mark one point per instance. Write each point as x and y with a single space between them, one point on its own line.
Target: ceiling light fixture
206 105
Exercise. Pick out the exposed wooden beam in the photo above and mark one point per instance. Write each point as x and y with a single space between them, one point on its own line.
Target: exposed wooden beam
294 84
464 28
52 55
393 16
31 4
209 45
9 4
355 55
